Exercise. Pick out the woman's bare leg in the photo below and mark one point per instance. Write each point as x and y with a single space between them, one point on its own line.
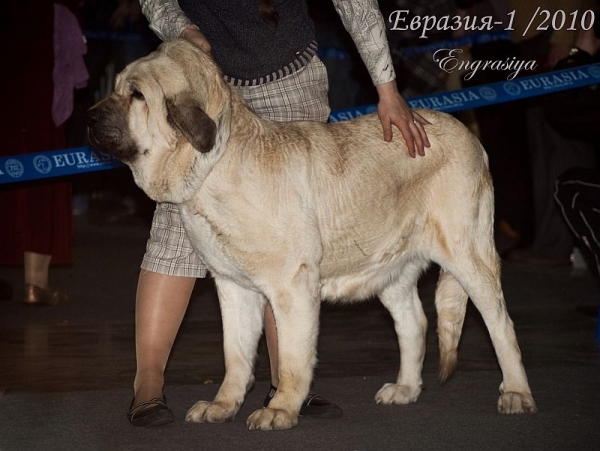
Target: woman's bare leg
161 302
272 346
36 269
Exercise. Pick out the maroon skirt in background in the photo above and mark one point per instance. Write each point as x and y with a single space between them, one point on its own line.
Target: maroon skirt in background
34 216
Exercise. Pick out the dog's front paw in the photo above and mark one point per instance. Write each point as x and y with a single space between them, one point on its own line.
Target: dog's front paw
210 412
271 419
397 394
512 402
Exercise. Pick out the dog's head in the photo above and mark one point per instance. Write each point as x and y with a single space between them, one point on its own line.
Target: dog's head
167 119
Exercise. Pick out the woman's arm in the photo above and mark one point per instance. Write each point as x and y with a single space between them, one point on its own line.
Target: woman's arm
166 18
168 21
363 20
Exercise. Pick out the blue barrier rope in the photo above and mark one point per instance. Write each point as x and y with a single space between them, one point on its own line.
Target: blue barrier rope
493 93
57 163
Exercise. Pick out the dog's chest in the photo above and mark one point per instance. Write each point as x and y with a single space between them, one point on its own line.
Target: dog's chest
209 242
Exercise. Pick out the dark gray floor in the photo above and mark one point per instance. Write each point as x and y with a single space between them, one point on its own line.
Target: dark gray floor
66 372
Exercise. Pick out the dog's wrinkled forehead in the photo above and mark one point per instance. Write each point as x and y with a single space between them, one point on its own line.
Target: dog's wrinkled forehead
156 71
175 66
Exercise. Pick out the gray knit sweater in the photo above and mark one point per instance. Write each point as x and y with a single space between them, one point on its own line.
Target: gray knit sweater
249 49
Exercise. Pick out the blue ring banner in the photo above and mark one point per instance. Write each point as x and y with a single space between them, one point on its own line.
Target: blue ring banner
79 160
491 94
55 163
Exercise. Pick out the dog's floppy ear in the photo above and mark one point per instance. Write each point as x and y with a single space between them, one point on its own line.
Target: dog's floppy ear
186 115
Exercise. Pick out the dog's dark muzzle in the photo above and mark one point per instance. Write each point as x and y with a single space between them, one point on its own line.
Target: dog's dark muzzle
108 129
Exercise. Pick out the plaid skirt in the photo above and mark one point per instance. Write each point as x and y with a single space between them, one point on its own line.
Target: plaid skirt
301 95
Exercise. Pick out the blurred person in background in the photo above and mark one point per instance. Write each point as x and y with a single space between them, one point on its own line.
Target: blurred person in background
576 114
45 65
551 153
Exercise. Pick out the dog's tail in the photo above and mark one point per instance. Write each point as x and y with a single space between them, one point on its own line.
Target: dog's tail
451 305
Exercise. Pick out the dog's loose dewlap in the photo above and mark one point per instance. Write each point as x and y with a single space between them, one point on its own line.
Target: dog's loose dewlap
300 212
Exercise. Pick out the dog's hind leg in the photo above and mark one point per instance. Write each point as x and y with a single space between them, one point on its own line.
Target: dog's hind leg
242 314
451 305
295 302
478 271
402 300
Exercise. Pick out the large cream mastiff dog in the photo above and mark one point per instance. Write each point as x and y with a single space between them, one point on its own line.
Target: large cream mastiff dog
296 213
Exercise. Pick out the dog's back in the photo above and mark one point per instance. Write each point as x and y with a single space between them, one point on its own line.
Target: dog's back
378 209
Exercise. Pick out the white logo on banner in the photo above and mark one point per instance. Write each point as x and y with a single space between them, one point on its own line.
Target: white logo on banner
512 88
14 168
488 94
42 164
595 71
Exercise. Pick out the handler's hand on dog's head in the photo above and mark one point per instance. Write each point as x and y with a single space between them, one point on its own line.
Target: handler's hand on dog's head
196 37
392 109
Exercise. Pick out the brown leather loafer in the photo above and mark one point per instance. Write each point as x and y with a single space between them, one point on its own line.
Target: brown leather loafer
152 413
35 295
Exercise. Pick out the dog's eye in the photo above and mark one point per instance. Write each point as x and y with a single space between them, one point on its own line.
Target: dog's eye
135 94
